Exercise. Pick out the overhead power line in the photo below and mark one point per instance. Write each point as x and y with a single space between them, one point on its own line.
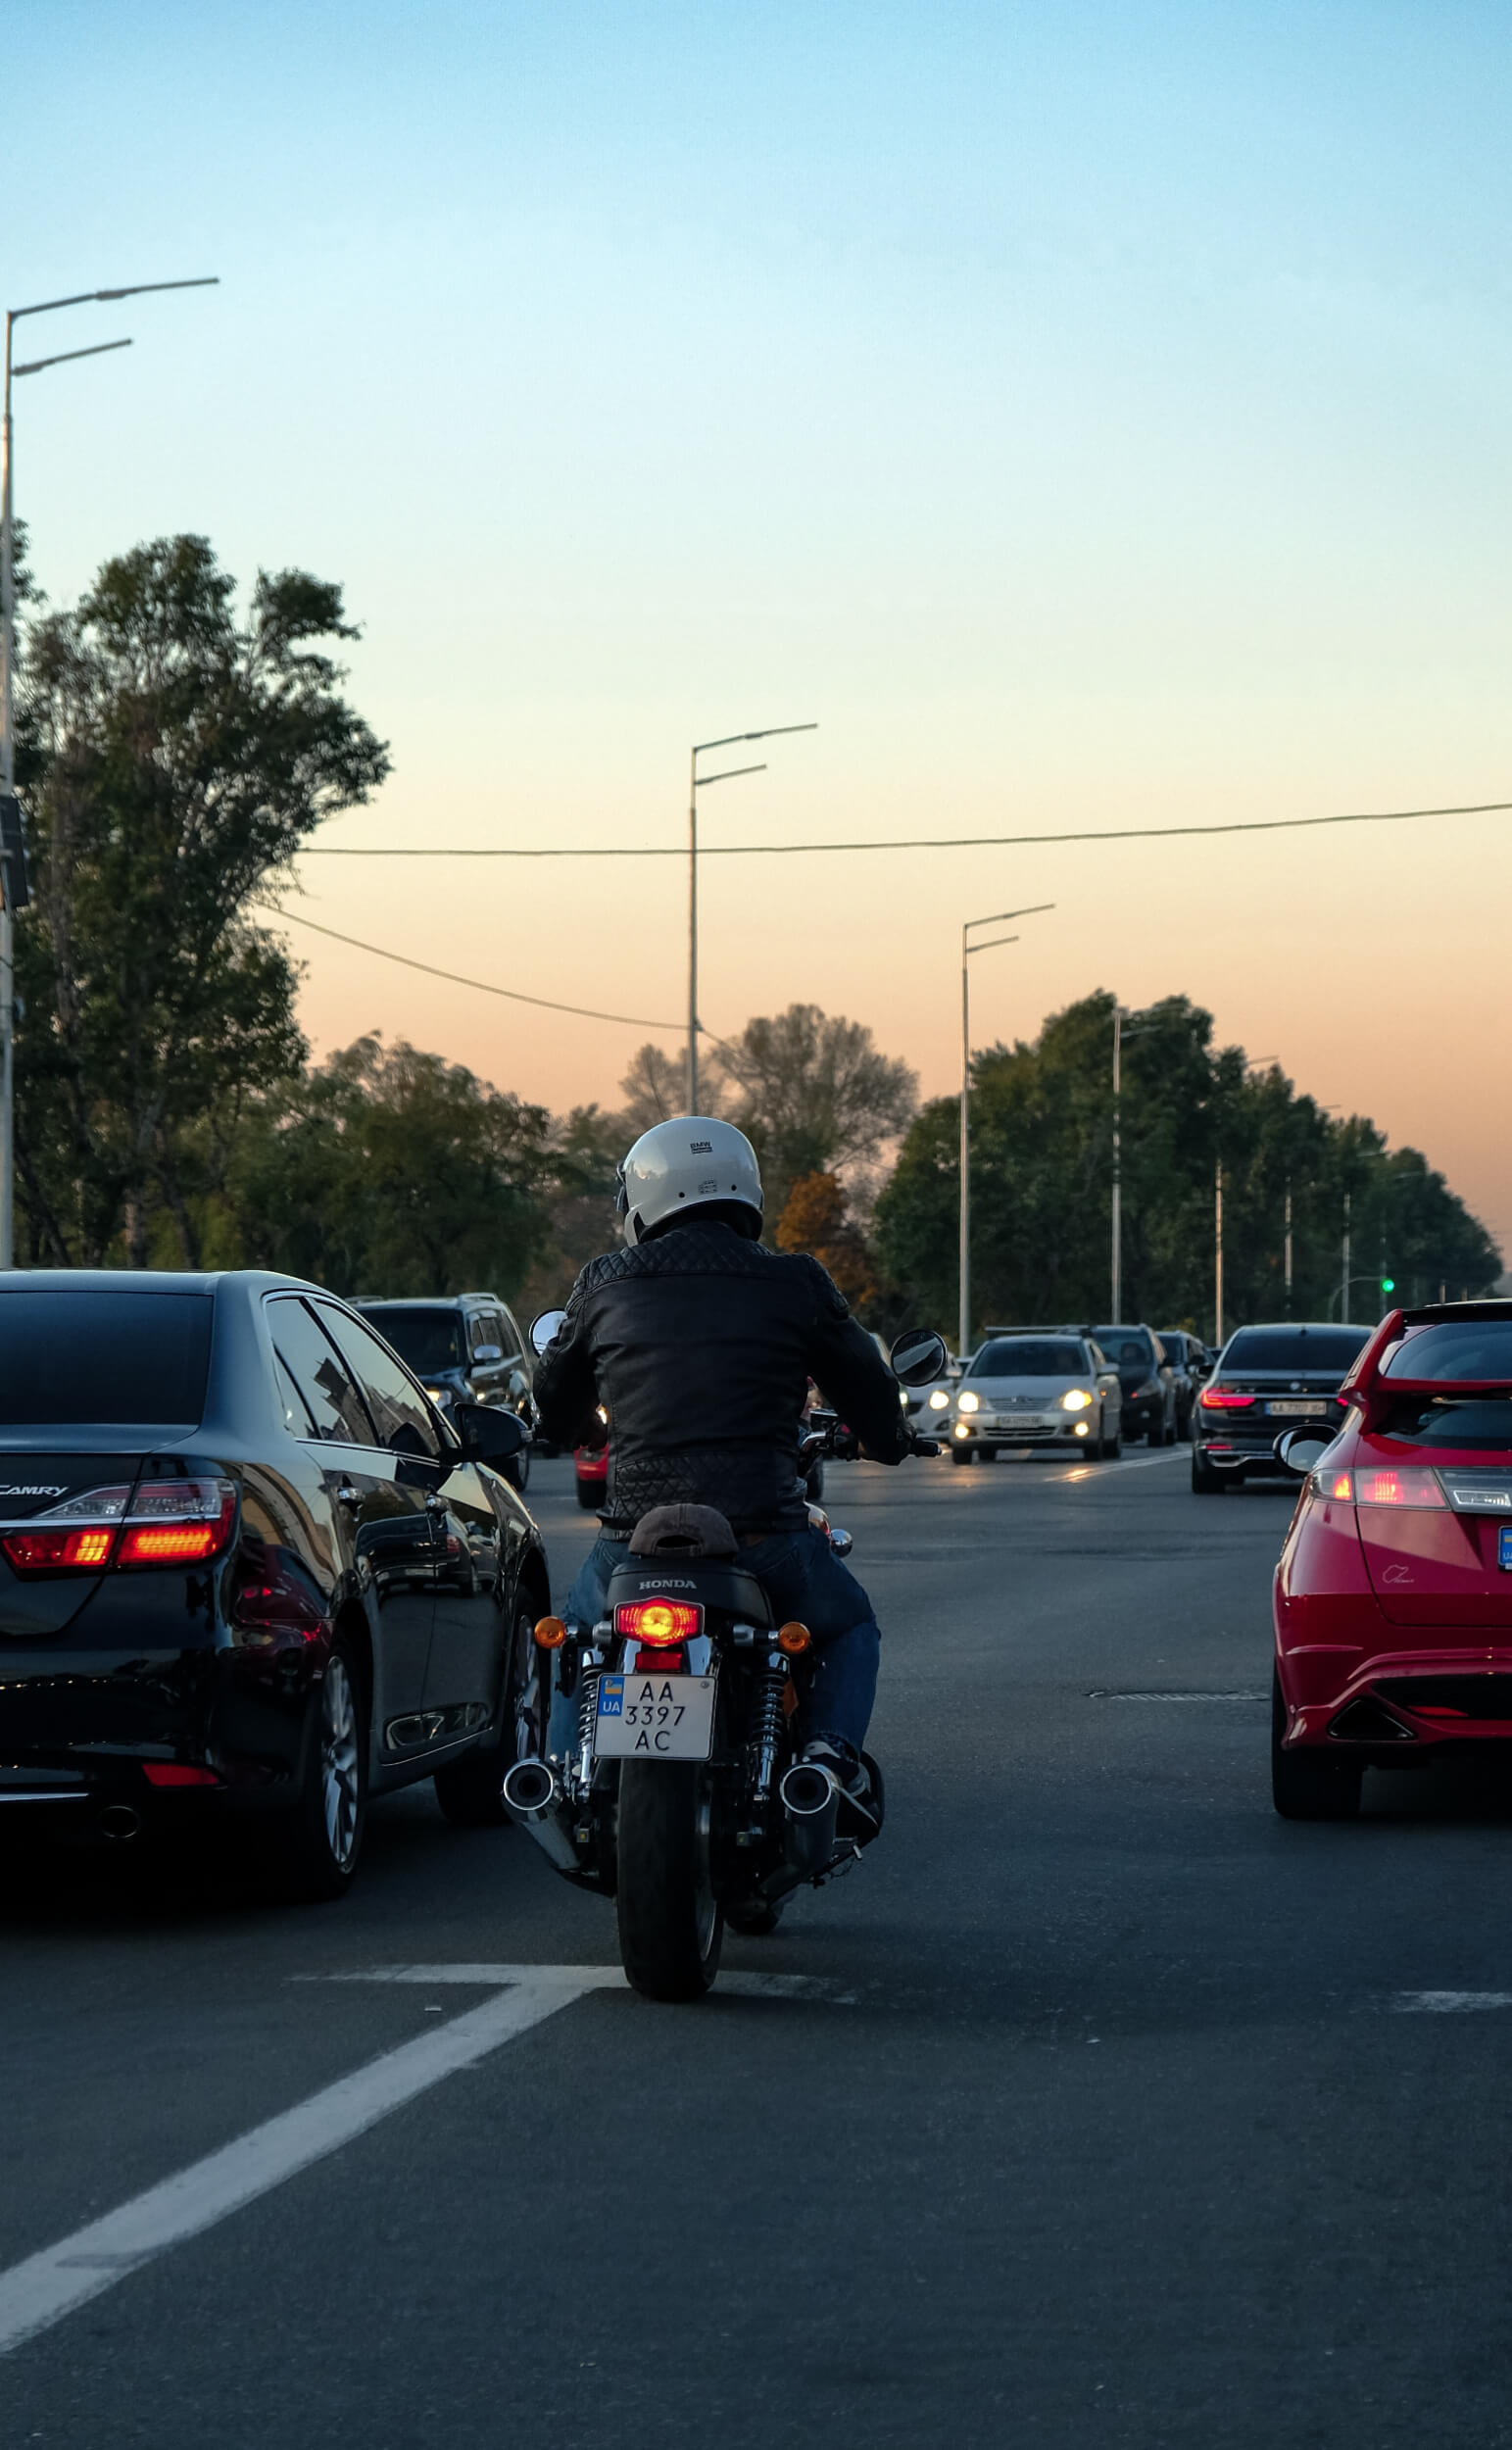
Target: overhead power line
914 841
454 978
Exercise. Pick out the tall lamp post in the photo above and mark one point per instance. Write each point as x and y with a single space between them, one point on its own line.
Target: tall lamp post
997 919
698 782
12 372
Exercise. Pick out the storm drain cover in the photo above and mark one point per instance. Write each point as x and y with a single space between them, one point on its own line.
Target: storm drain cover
1099 1693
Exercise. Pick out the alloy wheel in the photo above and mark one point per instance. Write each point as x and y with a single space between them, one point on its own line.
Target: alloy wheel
339 1768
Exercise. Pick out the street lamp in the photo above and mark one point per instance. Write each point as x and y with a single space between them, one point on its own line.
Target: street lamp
967 949
698 782
36 365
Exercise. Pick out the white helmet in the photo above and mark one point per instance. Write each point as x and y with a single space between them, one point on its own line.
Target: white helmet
689 1162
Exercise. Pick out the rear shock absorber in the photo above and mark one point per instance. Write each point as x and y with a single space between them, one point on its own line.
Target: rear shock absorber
587 1713
766 1723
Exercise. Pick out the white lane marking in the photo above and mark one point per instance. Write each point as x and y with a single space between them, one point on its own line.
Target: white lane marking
44 2287
1112 1471
736 1985
1449 2003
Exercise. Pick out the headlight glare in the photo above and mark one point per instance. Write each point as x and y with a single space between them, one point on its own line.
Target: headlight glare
939 1402
968 1403
1077 1401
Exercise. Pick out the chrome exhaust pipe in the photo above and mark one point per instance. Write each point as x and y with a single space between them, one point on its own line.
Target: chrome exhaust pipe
119 1821
531 1796
810 1799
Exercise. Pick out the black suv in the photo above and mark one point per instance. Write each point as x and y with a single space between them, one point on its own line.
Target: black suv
1144 1375
465 1346
1189 1366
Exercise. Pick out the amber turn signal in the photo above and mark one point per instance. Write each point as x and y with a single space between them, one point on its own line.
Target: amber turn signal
793 1639
550 1633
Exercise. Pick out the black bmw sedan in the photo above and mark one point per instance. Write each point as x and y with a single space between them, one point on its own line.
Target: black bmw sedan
247 1569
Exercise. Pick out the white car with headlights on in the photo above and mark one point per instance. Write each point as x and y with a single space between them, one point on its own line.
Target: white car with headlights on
1037 1388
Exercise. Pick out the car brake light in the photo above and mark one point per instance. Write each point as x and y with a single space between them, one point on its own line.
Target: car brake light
1395 1486
177 1522
1223 1399
658 1621
170 1522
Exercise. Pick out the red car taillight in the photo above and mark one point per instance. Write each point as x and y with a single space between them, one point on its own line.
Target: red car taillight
1224 1400
1393 1485
658 1621
170 1522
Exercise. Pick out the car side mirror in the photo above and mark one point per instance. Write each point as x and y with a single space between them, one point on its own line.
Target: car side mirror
544 1328
489 1436
488 1352
918 1357
1301 1450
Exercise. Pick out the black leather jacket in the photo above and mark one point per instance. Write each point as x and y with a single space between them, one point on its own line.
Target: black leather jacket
700 1345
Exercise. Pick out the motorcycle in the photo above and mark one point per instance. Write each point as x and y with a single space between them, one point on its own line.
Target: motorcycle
684 1795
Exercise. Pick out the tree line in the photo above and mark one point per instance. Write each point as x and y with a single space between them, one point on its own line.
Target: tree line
174 753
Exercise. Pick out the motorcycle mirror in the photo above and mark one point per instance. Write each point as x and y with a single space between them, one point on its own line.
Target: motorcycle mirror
544 1326
1302 1449
918 1357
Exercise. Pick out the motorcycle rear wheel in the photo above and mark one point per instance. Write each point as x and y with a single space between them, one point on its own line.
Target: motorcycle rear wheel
672 1924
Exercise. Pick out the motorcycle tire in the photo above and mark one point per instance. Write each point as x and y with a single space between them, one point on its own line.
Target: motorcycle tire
671 1924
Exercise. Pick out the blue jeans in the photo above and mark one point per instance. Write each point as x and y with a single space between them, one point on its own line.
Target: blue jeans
802 1578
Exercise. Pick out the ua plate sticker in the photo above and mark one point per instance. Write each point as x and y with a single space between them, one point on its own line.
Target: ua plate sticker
1505 1547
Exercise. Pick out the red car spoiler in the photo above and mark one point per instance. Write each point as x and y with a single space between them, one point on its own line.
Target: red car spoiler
1363 1385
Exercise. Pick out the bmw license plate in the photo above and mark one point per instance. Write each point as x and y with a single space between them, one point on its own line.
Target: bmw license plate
1505 1547
1306 1408
654 1718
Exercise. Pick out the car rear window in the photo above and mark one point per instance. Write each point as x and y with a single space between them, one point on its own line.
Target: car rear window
1295 1349
1126 1348
1480 1424
1460 1350
428 1340
138 1358
1027 1356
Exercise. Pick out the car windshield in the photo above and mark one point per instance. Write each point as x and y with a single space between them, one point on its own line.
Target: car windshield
1295 1349
1030 1357
430 1340
1460 1350
141 1358
1126 1348
1175 1348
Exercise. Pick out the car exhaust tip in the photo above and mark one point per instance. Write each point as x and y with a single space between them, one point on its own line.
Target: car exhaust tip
119 1821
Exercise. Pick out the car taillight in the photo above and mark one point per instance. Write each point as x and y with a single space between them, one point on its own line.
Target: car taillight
1395 1486
1224 1400
177 1522
170 1522
658 1621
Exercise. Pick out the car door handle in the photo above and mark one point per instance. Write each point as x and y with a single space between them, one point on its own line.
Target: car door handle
347 1495
435 1503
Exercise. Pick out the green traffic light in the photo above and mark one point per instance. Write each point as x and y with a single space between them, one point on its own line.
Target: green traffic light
1388 1284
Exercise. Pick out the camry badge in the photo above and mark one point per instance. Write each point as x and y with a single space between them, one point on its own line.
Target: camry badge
13 1489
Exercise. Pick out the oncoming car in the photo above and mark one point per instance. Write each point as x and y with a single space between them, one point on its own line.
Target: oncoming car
247 1572
1394 1593
1044 1389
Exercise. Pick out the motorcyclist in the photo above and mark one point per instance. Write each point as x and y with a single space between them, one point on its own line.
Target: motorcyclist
699 1343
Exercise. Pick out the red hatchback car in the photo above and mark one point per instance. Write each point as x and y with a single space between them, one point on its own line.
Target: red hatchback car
1394 1593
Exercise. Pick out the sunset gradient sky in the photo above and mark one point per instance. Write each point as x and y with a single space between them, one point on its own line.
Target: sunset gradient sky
1092 415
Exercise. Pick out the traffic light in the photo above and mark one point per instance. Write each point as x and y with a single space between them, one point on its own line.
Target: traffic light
1388 1284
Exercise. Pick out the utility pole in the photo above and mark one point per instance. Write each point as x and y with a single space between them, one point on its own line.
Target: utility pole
1345 1309
1218 1254
996 918
1288 1245
1115 1310
13 373
698 782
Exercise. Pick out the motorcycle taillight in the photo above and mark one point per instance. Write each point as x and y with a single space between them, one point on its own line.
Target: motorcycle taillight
658 1621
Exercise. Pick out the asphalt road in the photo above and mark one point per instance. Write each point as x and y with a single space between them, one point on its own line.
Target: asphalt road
1098 2106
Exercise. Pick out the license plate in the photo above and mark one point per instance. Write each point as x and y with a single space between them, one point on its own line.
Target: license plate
1505 1547
1308 1407
654 1718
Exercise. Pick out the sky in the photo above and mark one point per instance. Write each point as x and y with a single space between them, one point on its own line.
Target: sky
1089 415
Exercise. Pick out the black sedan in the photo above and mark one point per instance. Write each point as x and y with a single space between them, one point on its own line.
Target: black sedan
1267 1380
246 1569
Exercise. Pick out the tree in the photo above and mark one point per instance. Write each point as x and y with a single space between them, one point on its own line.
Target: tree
1041 1172
174 758
655 1088
814 1093
814 1220
392 1171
